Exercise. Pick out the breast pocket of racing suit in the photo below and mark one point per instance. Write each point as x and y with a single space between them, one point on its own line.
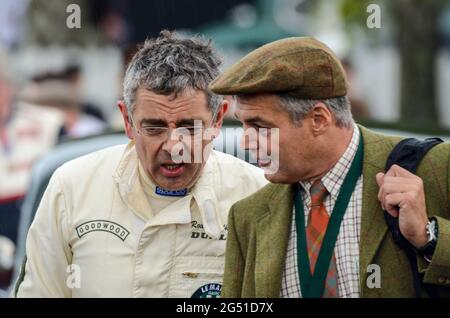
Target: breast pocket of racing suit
197 277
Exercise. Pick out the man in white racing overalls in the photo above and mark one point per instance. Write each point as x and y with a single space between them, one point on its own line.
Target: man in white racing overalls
147 219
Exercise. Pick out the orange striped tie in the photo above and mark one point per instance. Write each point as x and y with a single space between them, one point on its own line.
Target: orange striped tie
315 232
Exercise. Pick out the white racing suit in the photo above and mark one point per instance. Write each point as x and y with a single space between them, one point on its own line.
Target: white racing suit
84 241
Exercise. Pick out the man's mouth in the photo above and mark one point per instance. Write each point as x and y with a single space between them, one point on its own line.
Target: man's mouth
172 170
264 162
172 166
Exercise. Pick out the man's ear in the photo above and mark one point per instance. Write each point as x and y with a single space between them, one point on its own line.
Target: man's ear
223 108
126 119
221 111
322 118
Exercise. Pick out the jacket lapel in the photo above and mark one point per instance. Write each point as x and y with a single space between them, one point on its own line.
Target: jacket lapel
373 224
272 235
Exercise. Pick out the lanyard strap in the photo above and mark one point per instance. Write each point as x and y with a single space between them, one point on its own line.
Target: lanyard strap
312 286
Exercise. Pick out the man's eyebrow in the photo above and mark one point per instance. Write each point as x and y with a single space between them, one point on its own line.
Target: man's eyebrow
153 122
187 122
162 123
257 120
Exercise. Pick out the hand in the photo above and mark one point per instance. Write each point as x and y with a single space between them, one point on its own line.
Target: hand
402 195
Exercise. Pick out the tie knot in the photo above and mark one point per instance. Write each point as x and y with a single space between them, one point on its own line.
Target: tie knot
318 193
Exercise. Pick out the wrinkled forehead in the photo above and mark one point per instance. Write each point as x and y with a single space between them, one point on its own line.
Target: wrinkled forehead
186 104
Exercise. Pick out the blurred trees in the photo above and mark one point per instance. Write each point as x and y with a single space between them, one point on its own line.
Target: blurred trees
415 33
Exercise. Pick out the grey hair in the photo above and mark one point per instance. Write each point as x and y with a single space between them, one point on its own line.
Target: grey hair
170 65
298 108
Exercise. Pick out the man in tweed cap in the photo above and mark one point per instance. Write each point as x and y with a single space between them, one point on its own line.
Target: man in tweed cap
318 230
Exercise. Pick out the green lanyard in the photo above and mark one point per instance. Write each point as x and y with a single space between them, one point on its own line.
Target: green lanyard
312 286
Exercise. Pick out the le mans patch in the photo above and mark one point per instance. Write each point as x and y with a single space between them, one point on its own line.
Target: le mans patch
102 225
211 290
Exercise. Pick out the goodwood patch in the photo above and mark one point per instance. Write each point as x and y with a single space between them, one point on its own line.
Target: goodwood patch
104 226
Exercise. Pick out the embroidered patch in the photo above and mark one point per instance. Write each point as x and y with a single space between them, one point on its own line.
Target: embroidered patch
170 193
211 290
102 225
198 232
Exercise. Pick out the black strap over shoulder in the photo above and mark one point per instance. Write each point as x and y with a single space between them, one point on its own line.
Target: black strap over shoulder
407 154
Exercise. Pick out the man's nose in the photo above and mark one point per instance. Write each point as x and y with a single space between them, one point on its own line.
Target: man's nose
173 142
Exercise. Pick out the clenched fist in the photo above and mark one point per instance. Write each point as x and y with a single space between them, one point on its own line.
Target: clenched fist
402 195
